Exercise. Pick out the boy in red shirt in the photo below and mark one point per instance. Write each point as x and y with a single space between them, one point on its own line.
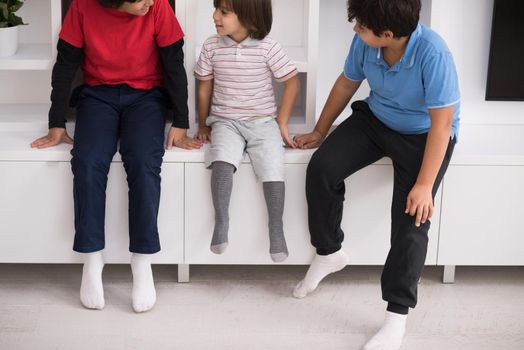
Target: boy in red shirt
128 50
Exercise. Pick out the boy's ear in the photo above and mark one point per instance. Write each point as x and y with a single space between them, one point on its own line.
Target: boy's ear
388 34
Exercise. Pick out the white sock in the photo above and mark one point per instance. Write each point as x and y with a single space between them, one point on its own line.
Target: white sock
390 335
321 266
144 293
92 289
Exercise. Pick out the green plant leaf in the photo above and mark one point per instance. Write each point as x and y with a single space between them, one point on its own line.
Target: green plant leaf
3 11
3 24
14 20
15 6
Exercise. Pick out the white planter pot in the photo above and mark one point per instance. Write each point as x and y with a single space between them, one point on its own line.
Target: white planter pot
8 41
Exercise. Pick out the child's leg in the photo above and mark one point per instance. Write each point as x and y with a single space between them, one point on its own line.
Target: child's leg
221 187
96 136
223 158
274 193
95 142
142 147
266 151
407 254
349 148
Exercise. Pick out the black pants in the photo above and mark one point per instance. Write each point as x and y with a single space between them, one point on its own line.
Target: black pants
356 143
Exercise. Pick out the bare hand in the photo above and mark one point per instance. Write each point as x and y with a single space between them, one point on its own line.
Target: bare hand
54 137
178 138
285 136
420 203
311 140
203 134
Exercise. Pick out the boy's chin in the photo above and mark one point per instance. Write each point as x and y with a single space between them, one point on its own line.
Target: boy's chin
141 13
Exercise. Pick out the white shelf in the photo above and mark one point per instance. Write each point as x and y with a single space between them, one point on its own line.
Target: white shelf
19 117
29 57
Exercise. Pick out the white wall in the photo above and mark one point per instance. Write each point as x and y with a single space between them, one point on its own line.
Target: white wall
466 27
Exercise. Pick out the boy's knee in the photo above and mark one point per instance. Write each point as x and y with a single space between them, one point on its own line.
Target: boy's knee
317 167
86 164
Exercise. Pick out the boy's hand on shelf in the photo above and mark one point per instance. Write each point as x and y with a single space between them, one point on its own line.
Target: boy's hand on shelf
420 203
178 137
311 140
285 136
203 134
54 137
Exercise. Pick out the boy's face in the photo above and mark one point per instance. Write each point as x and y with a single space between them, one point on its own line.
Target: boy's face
369 37
139 8
227 23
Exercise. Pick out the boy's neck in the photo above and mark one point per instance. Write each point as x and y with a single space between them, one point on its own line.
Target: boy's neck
238 38
397 46
394 50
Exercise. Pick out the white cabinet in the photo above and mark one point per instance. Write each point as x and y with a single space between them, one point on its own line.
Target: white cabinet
248 234
37 214
477 210
37 208
366 219
482 216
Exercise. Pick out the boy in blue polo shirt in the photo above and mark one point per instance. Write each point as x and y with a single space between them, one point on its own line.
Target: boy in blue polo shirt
410 116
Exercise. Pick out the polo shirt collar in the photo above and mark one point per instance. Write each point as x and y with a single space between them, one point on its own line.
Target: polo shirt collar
226 41
408 59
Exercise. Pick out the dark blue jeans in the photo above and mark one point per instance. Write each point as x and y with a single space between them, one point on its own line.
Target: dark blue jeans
105 115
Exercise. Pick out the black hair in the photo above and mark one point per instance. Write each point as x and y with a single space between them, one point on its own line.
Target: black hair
399 16
114 4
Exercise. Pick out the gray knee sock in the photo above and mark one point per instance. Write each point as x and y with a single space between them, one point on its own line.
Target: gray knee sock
221 186
274 192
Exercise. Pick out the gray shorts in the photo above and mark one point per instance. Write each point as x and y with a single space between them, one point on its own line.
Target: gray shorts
259 138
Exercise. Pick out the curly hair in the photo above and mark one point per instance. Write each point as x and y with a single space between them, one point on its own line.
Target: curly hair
399 16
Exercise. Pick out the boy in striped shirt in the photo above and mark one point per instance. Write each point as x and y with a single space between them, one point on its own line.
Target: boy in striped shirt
237 111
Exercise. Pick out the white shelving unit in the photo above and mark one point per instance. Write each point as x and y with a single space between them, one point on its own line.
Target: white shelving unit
37 48
26 76
474 223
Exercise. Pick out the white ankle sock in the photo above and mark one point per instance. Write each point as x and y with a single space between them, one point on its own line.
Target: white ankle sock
144 293
321 266
390 335
92 289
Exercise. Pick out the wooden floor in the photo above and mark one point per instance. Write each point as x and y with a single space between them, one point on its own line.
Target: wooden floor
250 307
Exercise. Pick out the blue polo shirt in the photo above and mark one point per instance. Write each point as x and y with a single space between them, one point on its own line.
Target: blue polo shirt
401 95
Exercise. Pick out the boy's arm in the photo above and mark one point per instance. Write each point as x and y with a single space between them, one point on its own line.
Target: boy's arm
420 199
291 90
339 97
175 80
205 88
68 60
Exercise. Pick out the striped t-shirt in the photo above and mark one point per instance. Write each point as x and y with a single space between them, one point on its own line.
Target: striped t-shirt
242 73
